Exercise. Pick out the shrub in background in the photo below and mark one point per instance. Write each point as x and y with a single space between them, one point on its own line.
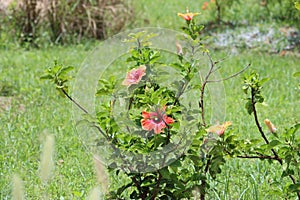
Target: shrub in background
59 21
230 12
87 18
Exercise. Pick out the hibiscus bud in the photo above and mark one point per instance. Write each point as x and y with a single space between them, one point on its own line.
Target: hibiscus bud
271 126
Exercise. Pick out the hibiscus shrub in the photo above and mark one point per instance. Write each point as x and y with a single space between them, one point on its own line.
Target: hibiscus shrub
159 141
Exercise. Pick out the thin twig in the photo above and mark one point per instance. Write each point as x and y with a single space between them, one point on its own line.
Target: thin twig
263 157
229 77
259 127
201 103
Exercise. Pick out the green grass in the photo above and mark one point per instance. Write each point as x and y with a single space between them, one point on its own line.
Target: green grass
36 111
23 132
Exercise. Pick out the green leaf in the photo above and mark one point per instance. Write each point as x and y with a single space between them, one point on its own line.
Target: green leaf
245 89
274 143
259 98
65 70
294 187
165 172
46 76
121 189
287 172
297 126
249 107
296 74
262 81
230 138
297 5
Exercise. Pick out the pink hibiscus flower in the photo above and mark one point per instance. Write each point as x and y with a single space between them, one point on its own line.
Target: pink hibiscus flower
156 121
134 76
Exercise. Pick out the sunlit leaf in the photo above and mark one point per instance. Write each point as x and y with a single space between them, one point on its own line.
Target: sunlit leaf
297 5
296 74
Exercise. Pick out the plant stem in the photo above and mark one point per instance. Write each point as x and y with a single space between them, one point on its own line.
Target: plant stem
156 189
203 182
75 102
201 103
259 127
138 186
183 86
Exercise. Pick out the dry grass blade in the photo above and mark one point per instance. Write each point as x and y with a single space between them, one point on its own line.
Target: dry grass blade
101 174
17 188
95 194
47 164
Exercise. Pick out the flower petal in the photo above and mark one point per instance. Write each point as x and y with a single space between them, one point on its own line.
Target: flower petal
146 115
147 124
158 127
218 129
188 16
168 120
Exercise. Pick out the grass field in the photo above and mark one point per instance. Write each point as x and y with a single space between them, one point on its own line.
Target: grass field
35 110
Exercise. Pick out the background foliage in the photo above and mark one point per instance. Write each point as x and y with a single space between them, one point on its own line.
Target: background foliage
40 23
